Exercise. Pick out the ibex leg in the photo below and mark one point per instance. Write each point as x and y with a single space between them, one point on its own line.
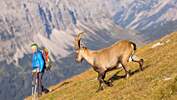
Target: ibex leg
126 71
101 77
139 61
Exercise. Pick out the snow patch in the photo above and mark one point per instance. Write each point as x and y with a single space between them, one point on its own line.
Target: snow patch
167 78
157 45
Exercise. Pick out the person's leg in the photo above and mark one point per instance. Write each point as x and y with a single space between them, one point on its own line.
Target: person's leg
40 83
43 89
33 83
41 76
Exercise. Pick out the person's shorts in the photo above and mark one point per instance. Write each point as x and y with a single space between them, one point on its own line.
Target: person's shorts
35 70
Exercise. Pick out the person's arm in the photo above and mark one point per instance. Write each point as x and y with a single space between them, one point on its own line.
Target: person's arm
35 61
32 62
41 61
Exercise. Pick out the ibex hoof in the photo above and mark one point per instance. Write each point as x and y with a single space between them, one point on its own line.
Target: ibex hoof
99 89
141 64
110 84
141 69
128 75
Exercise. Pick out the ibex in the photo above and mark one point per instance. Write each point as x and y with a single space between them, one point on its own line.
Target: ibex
107 59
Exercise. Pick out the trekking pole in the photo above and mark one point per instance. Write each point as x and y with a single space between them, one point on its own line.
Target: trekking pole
35 87
32 89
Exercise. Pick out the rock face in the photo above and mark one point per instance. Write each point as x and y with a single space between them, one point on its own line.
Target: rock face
54 23
152 18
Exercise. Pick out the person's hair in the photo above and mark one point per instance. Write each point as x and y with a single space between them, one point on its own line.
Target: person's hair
44 49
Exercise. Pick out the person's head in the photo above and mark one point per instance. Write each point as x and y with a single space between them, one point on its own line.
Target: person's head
44 49
34 47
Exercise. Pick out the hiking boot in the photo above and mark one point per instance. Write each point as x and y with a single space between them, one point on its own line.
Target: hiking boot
39 94
45 90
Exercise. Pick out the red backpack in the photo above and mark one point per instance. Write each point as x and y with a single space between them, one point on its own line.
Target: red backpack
47 60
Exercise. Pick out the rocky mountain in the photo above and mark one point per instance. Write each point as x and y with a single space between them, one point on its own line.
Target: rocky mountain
151 18
47 22
54 23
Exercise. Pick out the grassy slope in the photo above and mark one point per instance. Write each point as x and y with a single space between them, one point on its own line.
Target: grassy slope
158 80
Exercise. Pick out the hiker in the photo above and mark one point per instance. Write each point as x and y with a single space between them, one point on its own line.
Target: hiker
37 66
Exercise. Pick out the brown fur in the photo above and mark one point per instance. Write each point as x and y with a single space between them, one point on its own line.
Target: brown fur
107 59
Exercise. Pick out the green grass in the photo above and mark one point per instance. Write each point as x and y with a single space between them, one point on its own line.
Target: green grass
158 81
